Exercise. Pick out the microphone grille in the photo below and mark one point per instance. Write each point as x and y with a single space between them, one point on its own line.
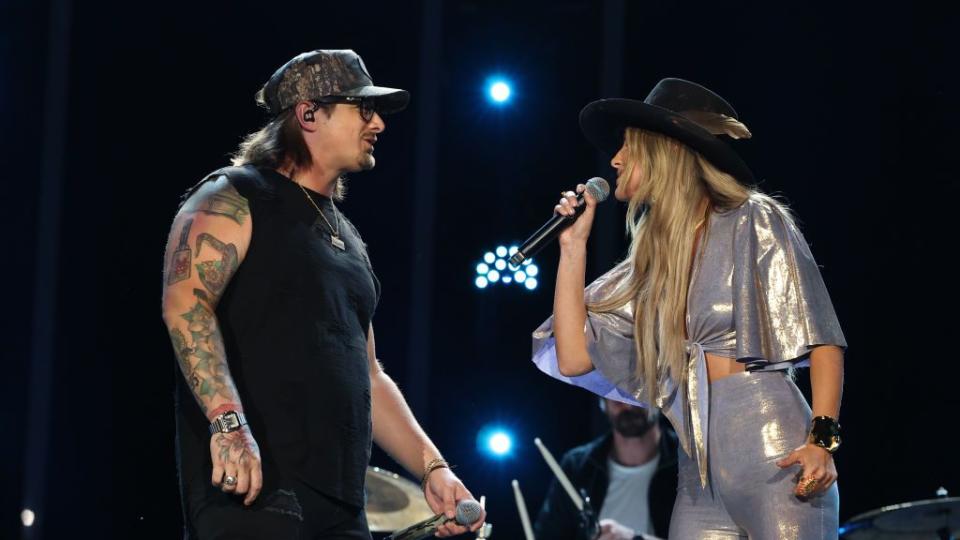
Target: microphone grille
599 188
468 511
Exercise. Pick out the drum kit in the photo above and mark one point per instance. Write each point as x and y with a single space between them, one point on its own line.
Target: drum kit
932 519
393 502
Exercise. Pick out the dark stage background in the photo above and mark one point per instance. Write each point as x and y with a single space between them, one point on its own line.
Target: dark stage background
109 111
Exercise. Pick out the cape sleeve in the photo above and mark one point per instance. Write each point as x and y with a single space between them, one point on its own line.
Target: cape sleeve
609 343
781 305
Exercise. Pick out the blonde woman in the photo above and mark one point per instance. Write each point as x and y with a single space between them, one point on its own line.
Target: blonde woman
718 298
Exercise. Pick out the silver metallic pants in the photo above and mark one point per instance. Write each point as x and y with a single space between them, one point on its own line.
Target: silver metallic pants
755 419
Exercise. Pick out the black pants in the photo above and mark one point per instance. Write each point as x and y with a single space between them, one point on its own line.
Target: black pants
297 513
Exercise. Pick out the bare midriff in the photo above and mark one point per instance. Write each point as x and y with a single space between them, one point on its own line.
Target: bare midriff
719 367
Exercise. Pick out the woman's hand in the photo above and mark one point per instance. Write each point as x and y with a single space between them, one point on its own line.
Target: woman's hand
580 230
817 473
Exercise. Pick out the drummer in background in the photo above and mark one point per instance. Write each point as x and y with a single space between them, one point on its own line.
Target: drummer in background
630 474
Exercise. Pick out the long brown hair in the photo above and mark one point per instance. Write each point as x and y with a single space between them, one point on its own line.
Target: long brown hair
280 144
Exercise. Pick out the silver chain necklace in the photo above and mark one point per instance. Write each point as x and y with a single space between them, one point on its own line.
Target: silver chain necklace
334 233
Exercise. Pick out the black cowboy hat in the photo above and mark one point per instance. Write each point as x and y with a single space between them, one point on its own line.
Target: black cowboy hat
677 108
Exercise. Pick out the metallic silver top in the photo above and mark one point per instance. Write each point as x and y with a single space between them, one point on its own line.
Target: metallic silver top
756 295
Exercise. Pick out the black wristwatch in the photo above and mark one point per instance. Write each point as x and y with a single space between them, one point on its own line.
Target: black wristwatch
228 422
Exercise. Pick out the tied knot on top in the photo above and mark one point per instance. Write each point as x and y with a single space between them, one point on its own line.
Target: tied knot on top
692 348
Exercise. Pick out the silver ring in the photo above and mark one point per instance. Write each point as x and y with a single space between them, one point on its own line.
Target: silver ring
230 481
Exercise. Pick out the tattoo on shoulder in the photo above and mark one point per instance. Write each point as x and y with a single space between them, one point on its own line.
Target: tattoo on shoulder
215 274
226 202
179 268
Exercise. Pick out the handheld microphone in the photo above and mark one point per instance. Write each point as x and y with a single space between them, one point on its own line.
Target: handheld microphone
598 187
468 511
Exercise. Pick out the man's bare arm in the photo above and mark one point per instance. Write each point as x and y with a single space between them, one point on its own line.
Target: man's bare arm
397 431
208 241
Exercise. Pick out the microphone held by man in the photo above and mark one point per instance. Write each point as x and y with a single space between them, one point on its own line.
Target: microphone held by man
468 512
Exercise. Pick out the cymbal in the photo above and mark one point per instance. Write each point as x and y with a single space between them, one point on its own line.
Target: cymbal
918 520
393 502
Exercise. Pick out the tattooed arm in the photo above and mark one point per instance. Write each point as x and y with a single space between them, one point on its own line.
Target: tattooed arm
208 241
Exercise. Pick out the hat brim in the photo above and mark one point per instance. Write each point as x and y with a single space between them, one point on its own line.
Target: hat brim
603 123
389 100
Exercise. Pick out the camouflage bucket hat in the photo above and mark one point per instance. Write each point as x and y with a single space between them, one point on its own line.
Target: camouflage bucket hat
324 73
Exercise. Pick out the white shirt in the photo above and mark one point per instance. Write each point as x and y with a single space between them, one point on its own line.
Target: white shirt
628 500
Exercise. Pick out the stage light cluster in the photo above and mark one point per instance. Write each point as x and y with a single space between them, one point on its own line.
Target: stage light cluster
494 268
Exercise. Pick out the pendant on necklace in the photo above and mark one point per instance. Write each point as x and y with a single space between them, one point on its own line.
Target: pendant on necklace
338 243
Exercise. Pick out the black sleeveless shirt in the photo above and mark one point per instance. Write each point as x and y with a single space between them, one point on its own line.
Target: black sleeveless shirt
294 320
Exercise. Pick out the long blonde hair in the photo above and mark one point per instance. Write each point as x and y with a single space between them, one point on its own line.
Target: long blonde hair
662 217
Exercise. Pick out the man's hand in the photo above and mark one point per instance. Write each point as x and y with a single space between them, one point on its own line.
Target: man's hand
444 491
235 455
611 530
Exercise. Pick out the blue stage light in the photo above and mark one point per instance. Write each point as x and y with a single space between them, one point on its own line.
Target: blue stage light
499 91
500 443
495 441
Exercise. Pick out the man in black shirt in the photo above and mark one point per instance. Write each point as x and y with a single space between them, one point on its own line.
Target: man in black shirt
268 298
630 475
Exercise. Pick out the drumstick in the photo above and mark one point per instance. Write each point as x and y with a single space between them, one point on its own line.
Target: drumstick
561 476
522 510
487 528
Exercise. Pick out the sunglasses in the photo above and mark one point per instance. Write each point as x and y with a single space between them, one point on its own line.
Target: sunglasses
366 105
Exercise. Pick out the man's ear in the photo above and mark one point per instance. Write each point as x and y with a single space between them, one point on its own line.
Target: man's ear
306 113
